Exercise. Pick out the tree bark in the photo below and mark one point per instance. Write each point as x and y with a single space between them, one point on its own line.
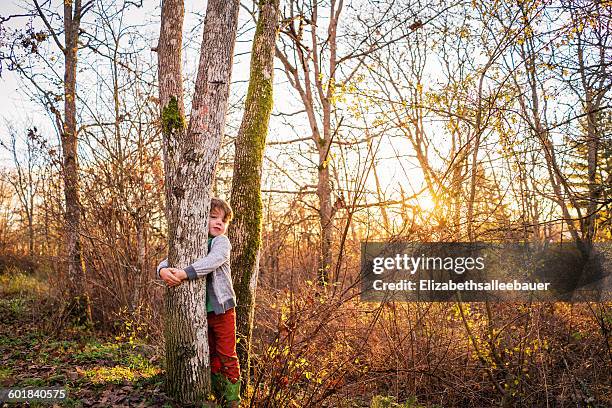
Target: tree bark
245 231
76 267
190 158
325 217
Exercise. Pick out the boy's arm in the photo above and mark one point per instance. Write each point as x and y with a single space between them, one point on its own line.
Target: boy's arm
162 264
218 255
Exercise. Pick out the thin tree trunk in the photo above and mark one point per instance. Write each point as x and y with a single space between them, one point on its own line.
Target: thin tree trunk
379 195
324 188
190 158
325 216
557 179
245 232
76 267
474 170
31 240
593 95
141 243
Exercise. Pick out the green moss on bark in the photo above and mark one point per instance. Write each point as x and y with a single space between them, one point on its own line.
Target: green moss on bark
172 118
246 194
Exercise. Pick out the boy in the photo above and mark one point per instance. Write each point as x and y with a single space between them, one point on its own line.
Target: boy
220 302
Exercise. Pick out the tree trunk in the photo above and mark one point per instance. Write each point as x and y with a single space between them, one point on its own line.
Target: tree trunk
76 268
245 232
190 159
474 170
325 214
324 187
593 138
139 280
593 86
537 122
31 238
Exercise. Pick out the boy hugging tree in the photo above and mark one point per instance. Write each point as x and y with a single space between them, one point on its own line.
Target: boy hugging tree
220 302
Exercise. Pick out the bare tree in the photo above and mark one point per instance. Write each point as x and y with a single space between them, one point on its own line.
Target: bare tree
593 37
73 12
318 67
25 180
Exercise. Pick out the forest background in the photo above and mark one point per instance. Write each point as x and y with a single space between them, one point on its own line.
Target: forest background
412 120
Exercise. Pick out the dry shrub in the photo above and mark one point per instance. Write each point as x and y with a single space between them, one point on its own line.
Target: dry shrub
325 347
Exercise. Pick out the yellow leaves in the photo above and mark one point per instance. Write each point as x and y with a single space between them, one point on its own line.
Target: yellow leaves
272 351
452 125
378 122
434 98
118 374
133 328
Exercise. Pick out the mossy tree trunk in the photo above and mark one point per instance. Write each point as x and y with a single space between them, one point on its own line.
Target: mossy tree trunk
245 230
190 158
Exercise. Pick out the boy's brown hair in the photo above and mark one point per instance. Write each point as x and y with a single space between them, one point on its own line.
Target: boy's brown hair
222 205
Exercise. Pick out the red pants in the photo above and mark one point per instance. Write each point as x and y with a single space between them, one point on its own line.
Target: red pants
222 344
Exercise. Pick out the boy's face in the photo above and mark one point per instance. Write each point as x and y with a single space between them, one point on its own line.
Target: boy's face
216 226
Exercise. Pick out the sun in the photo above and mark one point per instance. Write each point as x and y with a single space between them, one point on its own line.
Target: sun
426 203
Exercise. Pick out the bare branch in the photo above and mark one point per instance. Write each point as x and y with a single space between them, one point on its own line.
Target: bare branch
51 30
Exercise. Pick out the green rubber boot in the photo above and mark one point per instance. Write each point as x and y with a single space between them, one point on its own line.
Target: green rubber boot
216 381
231 392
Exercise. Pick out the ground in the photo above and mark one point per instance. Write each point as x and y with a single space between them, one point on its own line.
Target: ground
96 369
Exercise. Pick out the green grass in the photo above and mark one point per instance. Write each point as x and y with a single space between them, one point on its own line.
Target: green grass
5 373
98 351
33 382
15 282
12 307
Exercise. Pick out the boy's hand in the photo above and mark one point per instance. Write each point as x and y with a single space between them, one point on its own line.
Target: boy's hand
181 274
172 276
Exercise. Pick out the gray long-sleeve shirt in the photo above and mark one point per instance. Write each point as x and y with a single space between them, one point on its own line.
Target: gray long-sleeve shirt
215 267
